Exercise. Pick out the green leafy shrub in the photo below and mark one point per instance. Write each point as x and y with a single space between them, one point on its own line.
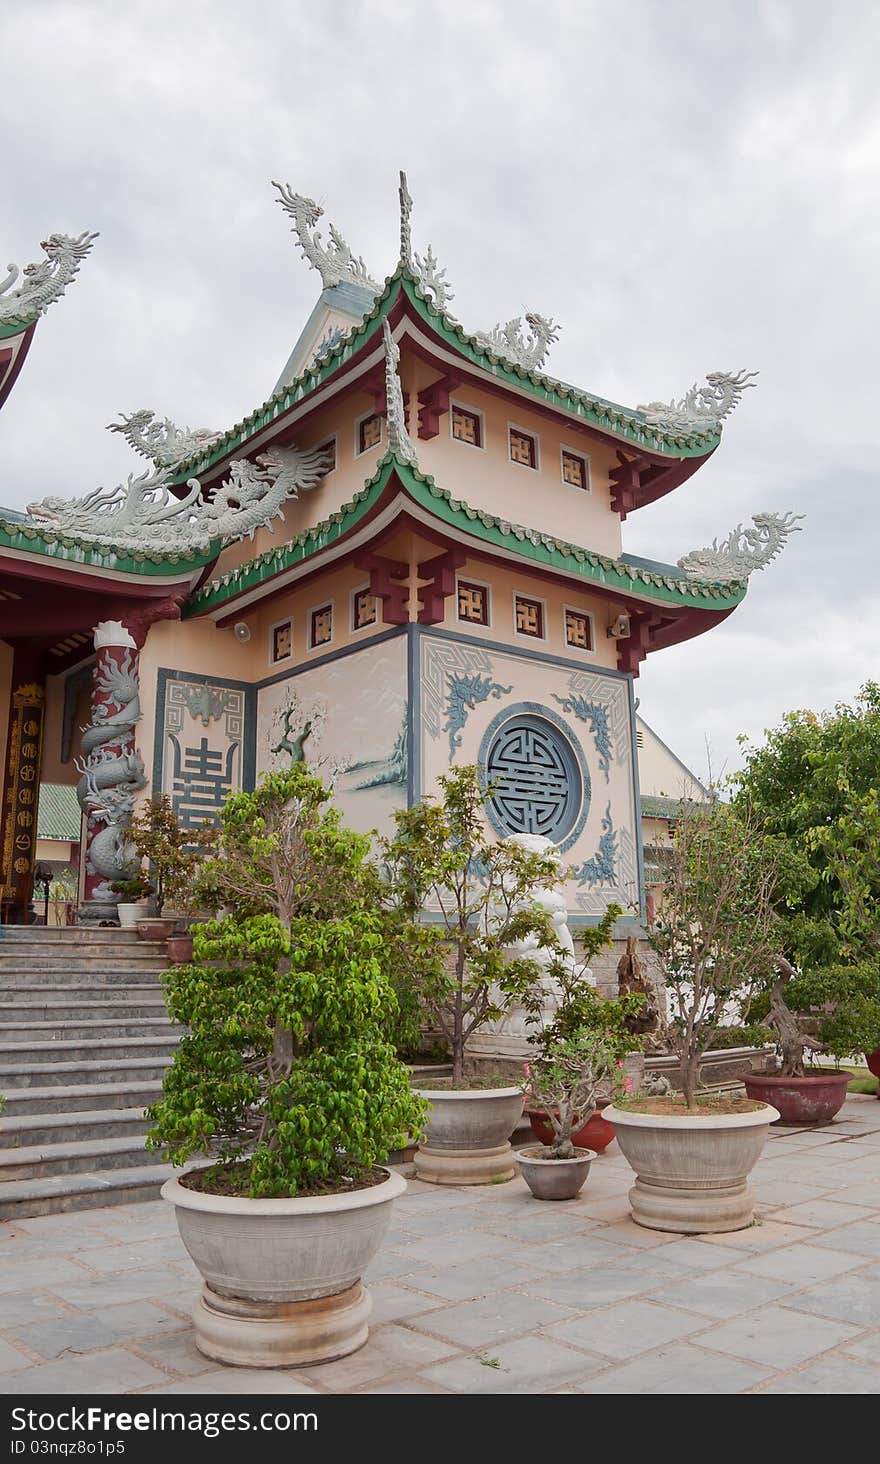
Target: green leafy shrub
286 1074
132 890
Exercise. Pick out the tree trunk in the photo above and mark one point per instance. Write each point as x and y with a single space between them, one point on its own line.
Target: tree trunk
690 1078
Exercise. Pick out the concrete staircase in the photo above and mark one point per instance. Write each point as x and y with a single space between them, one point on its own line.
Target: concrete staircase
84 1041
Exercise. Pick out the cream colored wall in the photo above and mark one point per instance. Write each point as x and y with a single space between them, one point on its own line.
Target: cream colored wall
661 775
537 498
336 587
504 584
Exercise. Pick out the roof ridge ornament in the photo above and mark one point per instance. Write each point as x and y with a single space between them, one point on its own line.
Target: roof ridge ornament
406 205
45 282
160 440
399 441
432 278
509 342
744 550
334 260
703 407
144 515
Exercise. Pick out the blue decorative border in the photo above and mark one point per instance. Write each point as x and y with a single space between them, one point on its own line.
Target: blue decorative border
249 741
440 632
537 709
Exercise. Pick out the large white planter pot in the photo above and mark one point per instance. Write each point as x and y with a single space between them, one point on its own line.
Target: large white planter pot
130 914
283 1277
468 1135
692 1171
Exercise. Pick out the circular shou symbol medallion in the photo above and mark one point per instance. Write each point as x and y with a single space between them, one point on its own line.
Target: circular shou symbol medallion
540 784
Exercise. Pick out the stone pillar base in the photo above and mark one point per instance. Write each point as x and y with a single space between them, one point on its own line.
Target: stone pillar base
692 1211
281 1334
465 1166
97 912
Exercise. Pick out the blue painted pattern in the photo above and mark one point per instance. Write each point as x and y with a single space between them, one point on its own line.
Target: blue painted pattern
464 694
536 779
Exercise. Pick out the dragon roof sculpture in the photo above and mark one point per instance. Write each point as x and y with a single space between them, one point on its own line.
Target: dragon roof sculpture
744 550
158 439
334 261
702 406
45 282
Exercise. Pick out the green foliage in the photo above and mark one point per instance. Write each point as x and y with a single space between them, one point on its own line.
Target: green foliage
286 1073
174 853
814 782
717 931
752 1034
132 890
479 892
568 1079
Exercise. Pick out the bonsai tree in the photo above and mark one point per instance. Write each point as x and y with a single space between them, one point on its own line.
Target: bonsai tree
132 890
477 894
285 1076
567 1082
174 853
717 932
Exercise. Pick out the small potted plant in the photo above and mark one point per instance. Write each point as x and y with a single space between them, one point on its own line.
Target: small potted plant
286 1081
565 1082
477 892
174 854
716 932
134 894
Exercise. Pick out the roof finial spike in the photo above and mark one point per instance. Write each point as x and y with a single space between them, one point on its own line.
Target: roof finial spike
399 441
406 204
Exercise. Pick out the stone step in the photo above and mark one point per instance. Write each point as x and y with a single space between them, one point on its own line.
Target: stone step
68 1098
27 1129
66 934
66 1033
86 1191
54 945
121 975
103 961
75 1074
84 1049
91 1009
86 1156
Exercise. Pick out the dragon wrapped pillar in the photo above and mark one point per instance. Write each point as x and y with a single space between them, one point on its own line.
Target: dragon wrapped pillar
112 771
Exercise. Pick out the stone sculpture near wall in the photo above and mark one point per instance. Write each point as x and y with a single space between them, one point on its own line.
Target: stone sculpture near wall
112 770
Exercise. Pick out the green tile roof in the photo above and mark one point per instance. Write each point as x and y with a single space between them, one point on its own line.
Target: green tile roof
58 815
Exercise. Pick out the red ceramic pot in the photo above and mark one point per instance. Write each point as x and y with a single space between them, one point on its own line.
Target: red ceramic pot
155 928
873 1061
180 948
812 1099
595 1134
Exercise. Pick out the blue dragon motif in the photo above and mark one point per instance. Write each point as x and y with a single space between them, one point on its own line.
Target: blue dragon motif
465 694
602 868
597 716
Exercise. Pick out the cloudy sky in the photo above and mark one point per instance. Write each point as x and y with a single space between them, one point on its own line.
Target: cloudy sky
685 187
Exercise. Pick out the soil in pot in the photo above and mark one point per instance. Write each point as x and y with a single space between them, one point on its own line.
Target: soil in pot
707 1106
814 1098
234 1179
550 1178
597 1133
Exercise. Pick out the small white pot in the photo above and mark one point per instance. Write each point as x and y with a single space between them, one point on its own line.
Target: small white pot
130 914
283 1277
468 1135
692 1169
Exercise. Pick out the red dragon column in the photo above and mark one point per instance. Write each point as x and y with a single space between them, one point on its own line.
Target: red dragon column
112 771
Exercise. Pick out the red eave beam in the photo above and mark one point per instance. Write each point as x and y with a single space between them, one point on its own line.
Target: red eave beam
389 582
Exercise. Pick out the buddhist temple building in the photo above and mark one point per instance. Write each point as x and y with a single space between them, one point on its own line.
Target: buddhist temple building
410 556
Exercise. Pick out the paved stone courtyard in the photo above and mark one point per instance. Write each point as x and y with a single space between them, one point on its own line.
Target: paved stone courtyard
489 1291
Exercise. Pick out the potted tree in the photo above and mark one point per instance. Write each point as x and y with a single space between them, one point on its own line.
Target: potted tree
174 854
715 934
134 893
286 1081
477 894
565 1081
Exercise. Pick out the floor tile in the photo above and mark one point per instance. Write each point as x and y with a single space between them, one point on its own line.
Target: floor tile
861 1239
528 1365
389 1350
630 1327
473 1279
853 1298
823 1214
721 1294
678 1369
492 1319
595 1286
802 1264
776 1337
837 1375
112 1371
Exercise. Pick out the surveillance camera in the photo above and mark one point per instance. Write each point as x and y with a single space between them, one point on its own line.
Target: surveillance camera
241 631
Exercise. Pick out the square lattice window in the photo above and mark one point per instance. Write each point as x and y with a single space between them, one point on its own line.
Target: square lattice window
529 616
575 470
369 433
467 426
523 447
578 629
363 609
281 644
321 626
473 603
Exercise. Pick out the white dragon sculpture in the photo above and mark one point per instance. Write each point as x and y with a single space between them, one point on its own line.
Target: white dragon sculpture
43 283
160 440
334 260
744 550
144 514
509 342
399 440
111 777
703 407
